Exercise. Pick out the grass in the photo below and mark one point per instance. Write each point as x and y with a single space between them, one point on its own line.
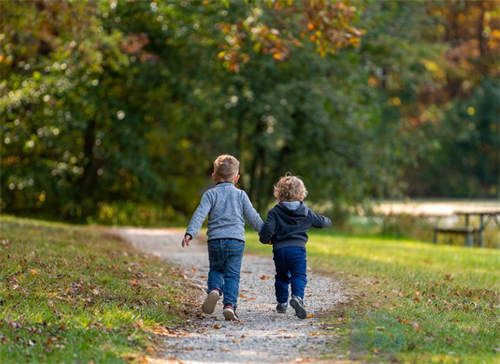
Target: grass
409 301
73 294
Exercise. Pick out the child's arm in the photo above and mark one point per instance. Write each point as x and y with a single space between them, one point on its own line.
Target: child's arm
251 215
198 217
267 231
319 221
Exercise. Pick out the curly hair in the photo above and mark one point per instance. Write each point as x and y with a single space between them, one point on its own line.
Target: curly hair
290 188
226 167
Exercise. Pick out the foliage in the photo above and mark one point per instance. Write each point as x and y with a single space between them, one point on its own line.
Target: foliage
68 292
409 301
116 103
129 213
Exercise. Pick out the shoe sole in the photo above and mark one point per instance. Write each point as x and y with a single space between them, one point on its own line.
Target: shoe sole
299 310
210 302
229 315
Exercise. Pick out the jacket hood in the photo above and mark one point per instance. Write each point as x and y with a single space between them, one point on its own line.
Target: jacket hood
300 212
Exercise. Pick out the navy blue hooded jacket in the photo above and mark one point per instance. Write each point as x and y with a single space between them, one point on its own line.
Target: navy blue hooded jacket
288 227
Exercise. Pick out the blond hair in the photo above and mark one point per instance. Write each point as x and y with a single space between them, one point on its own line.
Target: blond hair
226 167
290 188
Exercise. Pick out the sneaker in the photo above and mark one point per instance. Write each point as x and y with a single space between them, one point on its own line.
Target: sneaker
281 307
229 313
298 306
210 302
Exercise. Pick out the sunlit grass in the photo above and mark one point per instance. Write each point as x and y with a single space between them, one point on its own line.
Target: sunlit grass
409 300
73 294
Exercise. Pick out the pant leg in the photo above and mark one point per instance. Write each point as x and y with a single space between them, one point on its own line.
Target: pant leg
216 260
297 263
282 277
233 250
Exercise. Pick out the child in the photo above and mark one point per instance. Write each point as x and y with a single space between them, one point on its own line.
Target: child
286 229
226 207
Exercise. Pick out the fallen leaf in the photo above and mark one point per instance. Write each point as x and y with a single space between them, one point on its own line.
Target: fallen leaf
134 282
264 277
160 330
15 325
217 326
310 315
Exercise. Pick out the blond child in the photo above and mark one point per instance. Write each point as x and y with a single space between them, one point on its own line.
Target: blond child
227 208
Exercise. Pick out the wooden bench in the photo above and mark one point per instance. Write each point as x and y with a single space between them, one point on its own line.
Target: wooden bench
468 232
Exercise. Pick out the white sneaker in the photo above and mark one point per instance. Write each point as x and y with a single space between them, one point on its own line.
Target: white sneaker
229 313
210 302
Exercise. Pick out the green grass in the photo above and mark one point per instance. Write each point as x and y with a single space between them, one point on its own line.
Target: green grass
409 301
73 294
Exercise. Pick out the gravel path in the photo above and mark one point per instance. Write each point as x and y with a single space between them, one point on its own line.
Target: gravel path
262 335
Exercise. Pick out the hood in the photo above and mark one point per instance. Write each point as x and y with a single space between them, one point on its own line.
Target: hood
292 214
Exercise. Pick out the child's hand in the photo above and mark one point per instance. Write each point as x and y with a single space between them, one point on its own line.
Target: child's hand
186 240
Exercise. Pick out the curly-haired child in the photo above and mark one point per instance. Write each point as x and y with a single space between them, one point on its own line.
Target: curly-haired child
286 229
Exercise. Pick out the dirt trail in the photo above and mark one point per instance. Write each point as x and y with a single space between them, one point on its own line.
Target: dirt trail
262 335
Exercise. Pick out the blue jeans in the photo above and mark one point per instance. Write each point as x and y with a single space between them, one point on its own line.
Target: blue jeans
291 268
225 256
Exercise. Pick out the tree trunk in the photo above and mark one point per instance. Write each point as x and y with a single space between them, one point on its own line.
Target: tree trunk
89 168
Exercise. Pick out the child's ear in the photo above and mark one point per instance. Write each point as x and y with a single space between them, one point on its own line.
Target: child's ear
236 178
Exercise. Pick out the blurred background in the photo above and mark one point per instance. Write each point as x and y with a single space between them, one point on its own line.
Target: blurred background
113 111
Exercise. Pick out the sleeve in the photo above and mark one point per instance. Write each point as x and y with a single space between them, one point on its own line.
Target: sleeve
251 215
199 215
319 221
267 231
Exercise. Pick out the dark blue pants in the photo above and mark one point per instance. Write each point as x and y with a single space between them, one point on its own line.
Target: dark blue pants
225 256
291 268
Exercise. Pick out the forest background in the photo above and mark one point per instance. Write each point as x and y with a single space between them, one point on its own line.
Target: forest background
113 111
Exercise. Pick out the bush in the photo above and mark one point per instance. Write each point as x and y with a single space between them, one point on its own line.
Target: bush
129 213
